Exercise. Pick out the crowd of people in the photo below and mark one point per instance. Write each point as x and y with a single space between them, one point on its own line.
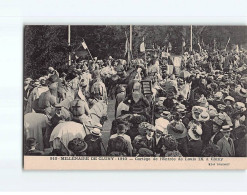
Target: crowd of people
196 109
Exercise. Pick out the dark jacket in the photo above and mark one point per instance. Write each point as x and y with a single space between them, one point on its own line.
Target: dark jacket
183 146
137 107
157 146
241 146
93 147
195 148
207 132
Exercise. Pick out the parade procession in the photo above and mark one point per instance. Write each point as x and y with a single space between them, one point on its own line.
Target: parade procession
156 91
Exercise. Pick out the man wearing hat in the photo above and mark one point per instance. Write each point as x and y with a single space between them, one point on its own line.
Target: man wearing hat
27 90
52 71
79 107
226 143
242 95
33 98
78 146
31 148
49 98
170 147
94 142
98 89
221 110
218 99
240 142
120 97
120 142
84 87
161 129
145 138
86 76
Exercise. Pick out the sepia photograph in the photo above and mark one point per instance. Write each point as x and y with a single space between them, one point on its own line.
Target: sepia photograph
137 93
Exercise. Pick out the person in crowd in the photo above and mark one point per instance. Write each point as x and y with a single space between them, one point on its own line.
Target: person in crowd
211 150
94 143
226 143
120 142
31 148
170 147
145 138
177 129
137 102
119 98
78 146
199 110
195 142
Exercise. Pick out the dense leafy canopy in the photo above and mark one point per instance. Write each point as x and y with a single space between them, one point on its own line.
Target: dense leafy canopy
46 46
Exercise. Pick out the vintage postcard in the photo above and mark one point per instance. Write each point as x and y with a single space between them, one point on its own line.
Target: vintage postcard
134 97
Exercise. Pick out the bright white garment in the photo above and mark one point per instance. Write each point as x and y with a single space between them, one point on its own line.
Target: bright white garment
34 124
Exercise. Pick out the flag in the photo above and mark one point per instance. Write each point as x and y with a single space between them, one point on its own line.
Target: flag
203 43
227 43
183 43
126 47
142 46
199 46
169 46
127 51
84 45
214 44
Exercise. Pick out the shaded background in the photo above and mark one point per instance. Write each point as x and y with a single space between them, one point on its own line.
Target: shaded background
46 46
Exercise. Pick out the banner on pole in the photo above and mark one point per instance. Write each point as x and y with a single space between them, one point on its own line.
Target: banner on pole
84 45
142 47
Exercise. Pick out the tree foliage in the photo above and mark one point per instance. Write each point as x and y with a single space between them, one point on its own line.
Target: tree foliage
46 46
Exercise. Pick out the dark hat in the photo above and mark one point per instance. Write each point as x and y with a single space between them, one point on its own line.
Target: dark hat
170 142
31 142
235 114
83 83
211 150
77 145
145 152
178 131
240 131
144 126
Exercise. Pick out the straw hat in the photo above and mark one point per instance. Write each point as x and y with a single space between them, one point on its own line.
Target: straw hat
242 92
161 125
230 98
178 131
226 128
96 132
218 95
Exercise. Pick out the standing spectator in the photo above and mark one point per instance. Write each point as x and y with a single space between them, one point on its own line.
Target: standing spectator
226 143
94 142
